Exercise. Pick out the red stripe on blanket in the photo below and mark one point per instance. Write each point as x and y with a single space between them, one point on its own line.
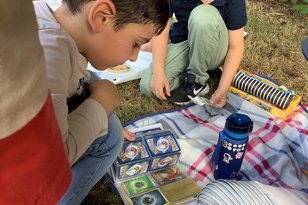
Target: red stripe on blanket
298 125
264 139
206 170
261 171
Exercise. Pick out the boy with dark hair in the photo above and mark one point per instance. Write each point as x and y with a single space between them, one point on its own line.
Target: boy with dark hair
105 33
207 34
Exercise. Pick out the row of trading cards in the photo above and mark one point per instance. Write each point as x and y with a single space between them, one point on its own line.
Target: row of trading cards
168 186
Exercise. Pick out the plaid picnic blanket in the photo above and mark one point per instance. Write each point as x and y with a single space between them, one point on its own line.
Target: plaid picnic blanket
277 151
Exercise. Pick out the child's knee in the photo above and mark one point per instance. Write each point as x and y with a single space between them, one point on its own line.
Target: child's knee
205 16
113 122
119 144
115 130
144 85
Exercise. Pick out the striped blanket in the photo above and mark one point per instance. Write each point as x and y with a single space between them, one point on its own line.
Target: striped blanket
277 151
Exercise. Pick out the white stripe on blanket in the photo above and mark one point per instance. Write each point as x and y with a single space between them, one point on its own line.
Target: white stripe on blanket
277 152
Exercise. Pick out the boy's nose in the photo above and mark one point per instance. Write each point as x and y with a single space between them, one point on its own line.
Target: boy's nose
134 55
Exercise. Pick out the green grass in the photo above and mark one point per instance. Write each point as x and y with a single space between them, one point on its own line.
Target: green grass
273 48
274 45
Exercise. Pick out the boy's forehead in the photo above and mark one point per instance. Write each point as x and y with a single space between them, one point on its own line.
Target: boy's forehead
148 31
143 31
146 39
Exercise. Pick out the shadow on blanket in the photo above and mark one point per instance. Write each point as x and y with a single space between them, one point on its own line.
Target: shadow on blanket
277 152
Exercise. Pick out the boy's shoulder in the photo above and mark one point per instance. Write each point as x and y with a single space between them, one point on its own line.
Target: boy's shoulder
44 17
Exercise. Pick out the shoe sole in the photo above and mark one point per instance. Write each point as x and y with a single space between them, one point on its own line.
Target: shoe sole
203 92
183 103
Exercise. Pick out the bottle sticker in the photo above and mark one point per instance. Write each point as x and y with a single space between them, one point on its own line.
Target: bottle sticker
239 155
224 144
227 158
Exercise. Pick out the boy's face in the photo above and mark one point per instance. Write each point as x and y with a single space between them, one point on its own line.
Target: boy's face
109 48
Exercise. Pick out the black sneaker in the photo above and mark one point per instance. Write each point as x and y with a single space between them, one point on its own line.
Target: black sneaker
188 87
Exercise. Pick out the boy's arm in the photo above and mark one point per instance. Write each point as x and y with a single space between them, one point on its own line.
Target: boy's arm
230 67
82 126
106 94
159 83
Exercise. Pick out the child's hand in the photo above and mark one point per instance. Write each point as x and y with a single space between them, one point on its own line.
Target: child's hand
128 135
218 99
106 93
159 85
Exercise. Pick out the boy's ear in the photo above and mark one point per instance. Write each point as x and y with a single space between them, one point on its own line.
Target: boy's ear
101 13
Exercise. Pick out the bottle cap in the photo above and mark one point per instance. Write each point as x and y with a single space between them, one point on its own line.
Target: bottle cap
239 123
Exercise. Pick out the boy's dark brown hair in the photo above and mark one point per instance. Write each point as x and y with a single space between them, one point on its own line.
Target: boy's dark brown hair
133 11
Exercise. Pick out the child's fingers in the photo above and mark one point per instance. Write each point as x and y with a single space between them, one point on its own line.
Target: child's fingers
162 95
167 88
128 135
215 102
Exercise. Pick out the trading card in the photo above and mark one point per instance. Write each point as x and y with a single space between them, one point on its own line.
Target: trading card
167 176
161 143
146 129
199 100
180 190
138 185
150 198
133 169
120 69
164 161
132 151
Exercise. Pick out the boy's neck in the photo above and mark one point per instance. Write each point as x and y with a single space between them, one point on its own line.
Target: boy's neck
207 1
73 24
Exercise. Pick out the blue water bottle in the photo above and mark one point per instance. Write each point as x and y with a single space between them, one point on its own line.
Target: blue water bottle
229 153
